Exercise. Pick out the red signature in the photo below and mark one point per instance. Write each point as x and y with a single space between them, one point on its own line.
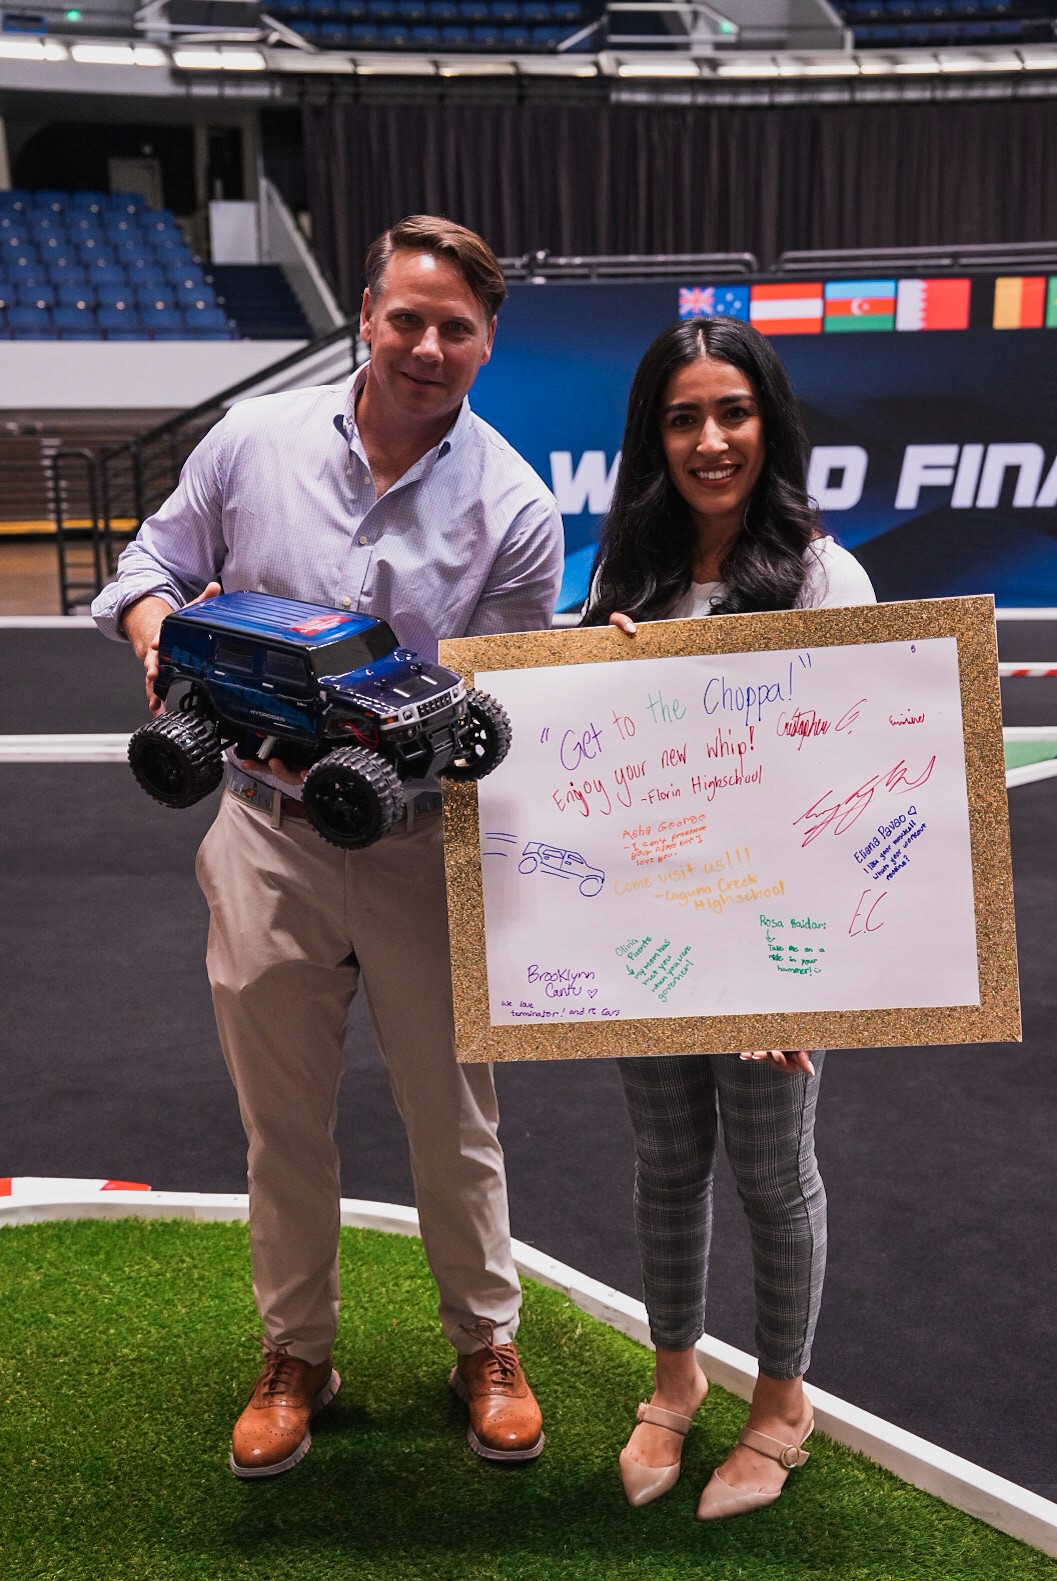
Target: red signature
843 813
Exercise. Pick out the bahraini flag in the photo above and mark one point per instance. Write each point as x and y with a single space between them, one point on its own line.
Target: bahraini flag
787 309
1020 301
932 304
860 304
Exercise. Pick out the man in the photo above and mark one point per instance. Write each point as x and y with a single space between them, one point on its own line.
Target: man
386 495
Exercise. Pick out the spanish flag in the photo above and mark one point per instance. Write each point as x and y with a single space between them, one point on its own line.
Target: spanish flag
1020 301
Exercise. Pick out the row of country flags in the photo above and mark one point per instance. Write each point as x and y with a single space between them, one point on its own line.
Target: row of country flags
809 307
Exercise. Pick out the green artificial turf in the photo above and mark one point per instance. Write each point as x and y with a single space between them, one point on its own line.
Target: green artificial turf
1018 753
126 1353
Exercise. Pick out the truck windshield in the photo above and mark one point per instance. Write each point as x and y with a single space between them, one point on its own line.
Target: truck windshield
352 653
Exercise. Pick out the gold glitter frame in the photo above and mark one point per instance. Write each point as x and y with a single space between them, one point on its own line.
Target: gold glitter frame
971 621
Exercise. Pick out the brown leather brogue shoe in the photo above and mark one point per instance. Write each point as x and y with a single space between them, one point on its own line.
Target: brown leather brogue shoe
505 1421
272 1434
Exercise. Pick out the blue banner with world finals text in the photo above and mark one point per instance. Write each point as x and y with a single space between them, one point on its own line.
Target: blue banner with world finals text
934 436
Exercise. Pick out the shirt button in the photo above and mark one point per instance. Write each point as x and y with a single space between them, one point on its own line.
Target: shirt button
346 603
364 538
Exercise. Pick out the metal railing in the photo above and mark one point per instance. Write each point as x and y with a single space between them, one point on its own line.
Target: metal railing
126 482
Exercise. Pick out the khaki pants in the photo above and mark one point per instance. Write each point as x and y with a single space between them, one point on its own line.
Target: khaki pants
295 926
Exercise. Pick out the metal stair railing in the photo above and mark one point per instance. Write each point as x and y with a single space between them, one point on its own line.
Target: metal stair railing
128 481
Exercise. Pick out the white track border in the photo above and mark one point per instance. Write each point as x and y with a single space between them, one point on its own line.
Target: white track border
958 1482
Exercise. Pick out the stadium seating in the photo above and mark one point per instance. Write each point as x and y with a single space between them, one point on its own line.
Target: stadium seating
94 265
425 25
933 24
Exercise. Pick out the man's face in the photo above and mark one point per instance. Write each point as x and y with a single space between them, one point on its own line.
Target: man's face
428 336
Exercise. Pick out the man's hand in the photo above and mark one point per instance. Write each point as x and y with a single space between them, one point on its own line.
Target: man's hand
786 1059
141 624
292 777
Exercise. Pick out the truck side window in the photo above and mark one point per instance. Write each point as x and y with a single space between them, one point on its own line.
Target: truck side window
235 656
289 668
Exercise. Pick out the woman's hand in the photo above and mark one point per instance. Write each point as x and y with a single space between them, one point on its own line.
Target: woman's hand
623 622
786 1059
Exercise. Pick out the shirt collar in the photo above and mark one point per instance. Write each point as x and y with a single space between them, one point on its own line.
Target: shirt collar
345 423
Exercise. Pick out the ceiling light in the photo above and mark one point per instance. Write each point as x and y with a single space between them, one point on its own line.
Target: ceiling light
218 60
477 68
658 68
978 63
748 68
31 49
842 67
103 54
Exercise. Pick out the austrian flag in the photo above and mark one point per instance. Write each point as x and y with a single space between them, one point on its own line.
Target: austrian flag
787 309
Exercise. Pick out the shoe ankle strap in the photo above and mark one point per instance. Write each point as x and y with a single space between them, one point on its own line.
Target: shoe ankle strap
788 1455
674 1421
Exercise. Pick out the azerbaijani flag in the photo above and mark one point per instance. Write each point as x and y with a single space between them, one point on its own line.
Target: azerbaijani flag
860 304
787 309
1020 301
932 304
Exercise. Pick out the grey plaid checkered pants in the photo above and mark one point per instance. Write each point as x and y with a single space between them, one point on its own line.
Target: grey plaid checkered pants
676 1104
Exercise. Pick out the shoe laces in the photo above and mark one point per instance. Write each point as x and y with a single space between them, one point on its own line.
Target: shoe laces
276 1377
502 1359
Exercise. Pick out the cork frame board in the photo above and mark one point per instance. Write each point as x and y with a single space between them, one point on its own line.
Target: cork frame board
991 1015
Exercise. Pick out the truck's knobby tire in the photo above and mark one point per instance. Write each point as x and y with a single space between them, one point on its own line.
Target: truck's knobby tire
352 797
485 743
177 759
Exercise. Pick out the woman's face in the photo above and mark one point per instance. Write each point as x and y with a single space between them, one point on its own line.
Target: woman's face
713 440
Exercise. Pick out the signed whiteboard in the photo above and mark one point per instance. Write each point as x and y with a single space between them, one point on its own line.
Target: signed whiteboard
694 845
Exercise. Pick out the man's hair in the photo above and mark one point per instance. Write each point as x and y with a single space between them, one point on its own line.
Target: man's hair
432 233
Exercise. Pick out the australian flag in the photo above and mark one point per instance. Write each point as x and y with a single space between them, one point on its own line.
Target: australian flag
714 301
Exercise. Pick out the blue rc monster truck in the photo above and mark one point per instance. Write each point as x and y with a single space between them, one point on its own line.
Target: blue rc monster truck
324 689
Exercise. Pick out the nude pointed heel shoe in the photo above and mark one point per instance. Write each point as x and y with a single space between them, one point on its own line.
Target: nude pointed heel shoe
643 1484
719 1499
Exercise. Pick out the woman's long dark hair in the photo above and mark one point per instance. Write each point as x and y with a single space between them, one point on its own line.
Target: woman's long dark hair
645 554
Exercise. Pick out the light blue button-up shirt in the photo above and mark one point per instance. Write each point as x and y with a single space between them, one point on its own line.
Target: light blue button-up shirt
278 498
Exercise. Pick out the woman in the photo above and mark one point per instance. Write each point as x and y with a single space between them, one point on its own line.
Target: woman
710 515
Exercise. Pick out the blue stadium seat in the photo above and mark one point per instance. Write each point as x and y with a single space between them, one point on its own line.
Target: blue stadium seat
180 272
154 294
121 323
410 12
454 34
210 322
91 202
321 10
536 13
36 295
364 34
13 201
475 12
73 293
30 323
424 36
566 12
195 296
124 203
395 35
50 202
514 36
25 269
76 323
443 11
161 316
352 10
485 35
547 36
107 273
382 11
506 12
64 272
118 297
